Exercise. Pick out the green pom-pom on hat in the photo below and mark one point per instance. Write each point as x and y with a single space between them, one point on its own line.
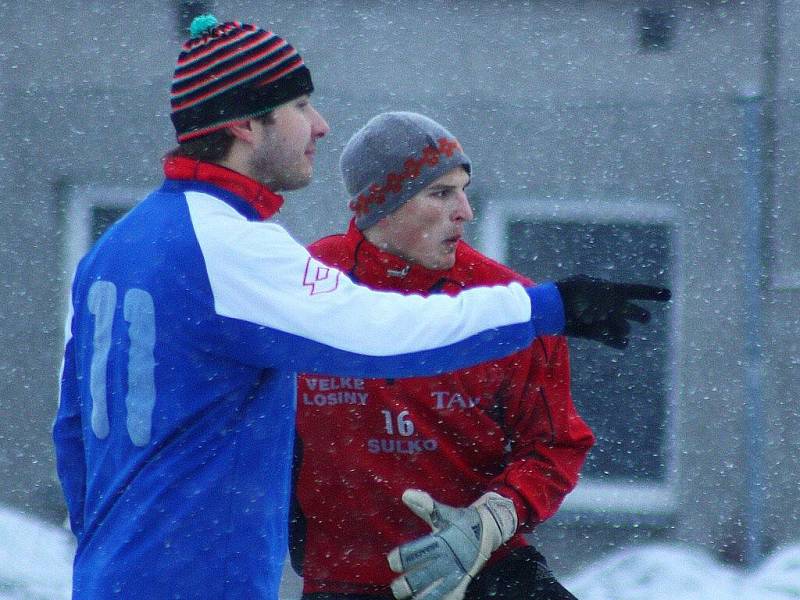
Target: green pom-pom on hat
202 24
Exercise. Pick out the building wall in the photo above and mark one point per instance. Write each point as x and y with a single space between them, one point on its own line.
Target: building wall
553 100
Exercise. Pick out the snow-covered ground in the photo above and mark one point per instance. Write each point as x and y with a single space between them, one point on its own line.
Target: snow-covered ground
668 572
35 561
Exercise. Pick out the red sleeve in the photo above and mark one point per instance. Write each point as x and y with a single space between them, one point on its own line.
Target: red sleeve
549 440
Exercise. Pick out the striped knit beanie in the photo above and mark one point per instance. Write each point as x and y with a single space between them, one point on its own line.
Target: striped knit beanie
231 72
391 159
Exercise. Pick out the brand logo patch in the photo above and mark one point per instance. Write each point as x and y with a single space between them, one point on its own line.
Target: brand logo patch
320 278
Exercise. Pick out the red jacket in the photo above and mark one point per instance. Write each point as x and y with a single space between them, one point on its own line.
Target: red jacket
508 425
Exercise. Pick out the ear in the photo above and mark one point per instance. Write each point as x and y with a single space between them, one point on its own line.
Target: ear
242 131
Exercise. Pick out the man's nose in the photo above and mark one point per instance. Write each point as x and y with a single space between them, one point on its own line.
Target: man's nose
319 126
463 209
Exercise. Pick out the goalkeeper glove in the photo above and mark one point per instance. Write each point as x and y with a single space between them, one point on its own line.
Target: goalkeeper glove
441 565
599 310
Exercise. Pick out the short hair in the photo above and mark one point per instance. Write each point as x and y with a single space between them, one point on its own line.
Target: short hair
214 146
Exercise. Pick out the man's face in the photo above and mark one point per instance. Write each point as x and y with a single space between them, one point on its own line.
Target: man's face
283 153
426 229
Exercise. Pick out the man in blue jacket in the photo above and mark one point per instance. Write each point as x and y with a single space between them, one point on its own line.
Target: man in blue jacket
190 316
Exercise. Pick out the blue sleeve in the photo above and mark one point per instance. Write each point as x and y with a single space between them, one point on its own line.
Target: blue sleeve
547 309
301 353
282 350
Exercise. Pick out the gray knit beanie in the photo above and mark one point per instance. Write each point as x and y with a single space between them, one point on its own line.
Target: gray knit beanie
392 158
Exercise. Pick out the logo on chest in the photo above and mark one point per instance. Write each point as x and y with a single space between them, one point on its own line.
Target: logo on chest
445 400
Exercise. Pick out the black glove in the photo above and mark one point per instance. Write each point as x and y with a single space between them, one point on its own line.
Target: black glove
599 310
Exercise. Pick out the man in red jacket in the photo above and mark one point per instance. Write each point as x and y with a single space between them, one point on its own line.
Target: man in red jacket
479 456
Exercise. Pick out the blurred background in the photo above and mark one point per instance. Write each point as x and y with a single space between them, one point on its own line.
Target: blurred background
654 140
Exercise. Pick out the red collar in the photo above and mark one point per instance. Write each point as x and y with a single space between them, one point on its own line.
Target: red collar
384 270
265 202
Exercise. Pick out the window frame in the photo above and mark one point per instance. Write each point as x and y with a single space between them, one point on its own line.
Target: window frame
594 496
81 200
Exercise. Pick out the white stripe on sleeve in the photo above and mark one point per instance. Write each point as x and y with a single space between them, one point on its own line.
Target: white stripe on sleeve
259 273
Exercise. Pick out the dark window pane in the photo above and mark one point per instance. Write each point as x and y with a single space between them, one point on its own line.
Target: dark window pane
103 217
622 395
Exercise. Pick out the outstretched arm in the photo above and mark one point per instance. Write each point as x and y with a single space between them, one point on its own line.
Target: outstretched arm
277 297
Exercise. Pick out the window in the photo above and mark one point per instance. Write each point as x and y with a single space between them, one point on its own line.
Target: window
626 397
90 211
